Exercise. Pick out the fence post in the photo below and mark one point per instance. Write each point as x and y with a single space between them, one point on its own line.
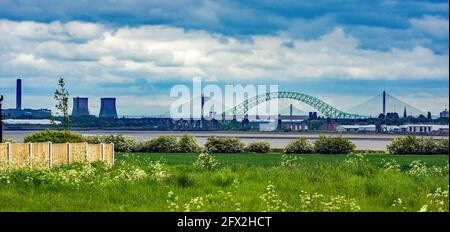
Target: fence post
103 151
9 155
68 153
30 150
86 154
50 155
113 154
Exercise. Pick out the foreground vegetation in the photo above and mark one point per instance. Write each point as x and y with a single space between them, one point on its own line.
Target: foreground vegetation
234 182
187 143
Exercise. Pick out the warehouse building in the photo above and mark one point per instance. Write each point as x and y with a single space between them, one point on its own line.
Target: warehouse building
356 128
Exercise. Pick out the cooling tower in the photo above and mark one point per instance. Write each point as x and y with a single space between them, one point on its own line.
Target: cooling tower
80 106
19 94
108 108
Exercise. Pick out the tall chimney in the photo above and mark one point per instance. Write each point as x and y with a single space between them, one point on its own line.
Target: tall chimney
19 94
384 103
203 104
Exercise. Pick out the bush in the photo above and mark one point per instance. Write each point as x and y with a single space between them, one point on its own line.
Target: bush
442 146
404 145
259 147
187 143
224 145
164 144
54 137
333 145
299 146
121 143
427 146
8 140
413 145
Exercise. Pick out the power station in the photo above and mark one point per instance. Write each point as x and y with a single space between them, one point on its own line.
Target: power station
20 113
288 122
80 107
108 108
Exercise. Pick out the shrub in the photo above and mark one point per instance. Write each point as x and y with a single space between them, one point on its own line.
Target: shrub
404 145
412 145
187 143
333 145
427 146
93 139
442 146
224 145
299 146
164 144
121 143
206 161
259 147
8 140
54 137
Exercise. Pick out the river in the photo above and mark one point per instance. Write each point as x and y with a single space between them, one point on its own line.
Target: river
276 139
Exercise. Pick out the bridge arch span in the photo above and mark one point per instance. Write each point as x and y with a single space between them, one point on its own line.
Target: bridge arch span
321 106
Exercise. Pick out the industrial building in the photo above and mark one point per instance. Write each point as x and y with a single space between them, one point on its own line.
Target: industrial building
444 114
293 122
80 107
108 108
356 128
30 122
18 112
423 128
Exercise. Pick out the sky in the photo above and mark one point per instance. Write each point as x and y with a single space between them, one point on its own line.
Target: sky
342 52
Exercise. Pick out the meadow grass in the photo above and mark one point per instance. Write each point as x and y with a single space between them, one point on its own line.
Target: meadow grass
240 182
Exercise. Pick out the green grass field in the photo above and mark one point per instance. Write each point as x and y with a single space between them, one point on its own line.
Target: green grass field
241 182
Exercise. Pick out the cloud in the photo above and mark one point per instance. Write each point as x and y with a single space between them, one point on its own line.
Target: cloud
99 59
435 26
243 19
162 52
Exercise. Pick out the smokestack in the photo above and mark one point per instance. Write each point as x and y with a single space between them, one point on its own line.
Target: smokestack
19 94
290 110
108 108
80 106
203 104
384 102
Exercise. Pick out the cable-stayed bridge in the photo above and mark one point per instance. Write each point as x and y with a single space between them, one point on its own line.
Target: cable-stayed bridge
385 103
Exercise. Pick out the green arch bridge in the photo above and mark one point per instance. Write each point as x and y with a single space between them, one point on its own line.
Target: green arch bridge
322 107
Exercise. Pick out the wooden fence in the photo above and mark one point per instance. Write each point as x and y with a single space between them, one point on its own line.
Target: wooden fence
47 155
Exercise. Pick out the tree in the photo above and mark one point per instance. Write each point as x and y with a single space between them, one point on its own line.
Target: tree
421 118
315 124
62 102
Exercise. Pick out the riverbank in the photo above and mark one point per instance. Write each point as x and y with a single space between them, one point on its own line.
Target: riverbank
278 140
